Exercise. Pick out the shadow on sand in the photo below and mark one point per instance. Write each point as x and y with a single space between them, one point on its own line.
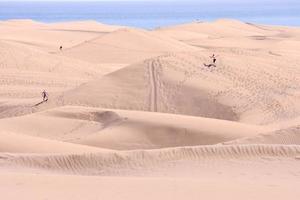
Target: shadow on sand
41 102
209 65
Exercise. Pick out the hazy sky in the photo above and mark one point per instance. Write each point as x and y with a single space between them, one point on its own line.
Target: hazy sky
258 2
205 1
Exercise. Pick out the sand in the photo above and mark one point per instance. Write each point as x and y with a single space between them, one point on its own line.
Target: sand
137 114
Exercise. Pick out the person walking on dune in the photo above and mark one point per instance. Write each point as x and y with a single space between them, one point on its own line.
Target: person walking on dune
213 64
214 59
45 95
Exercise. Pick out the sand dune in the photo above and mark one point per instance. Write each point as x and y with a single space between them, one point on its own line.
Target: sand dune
230 33
18 143
289 136
139 114
139 162
217 29
26 70
49 37
126 46
152 86
25 67
120 129
235 90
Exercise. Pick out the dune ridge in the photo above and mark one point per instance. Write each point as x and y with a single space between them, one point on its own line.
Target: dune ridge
101 163
125 130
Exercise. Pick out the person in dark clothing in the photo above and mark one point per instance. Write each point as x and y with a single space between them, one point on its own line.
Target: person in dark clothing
214 58
45 95
213 64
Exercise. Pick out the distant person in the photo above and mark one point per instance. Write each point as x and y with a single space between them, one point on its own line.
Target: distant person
213 57
45 95
214 60
60 48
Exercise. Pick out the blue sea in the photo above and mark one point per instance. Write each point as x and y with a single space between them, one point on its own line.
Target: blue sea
153 14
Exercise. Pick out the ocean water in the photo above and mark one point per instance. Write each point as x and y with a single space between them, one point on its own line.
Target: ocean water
153 14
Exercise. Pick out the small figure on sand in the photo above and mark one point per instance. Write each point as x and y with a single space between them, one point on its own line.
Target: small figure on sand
60 48
214 60
45 98
45 95
213 57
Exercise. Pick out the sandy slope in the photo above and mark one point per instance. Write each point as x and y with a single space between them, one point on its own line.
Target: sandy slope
151 86
126 46
248 86
17 143
23 66
284 136
62 187
264 171
160 162
135 114
232 33
30 61
49 37
120 129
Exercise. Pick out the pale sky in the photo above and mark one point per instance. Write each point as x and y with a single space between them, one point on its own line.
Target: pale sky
258 2
204 1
